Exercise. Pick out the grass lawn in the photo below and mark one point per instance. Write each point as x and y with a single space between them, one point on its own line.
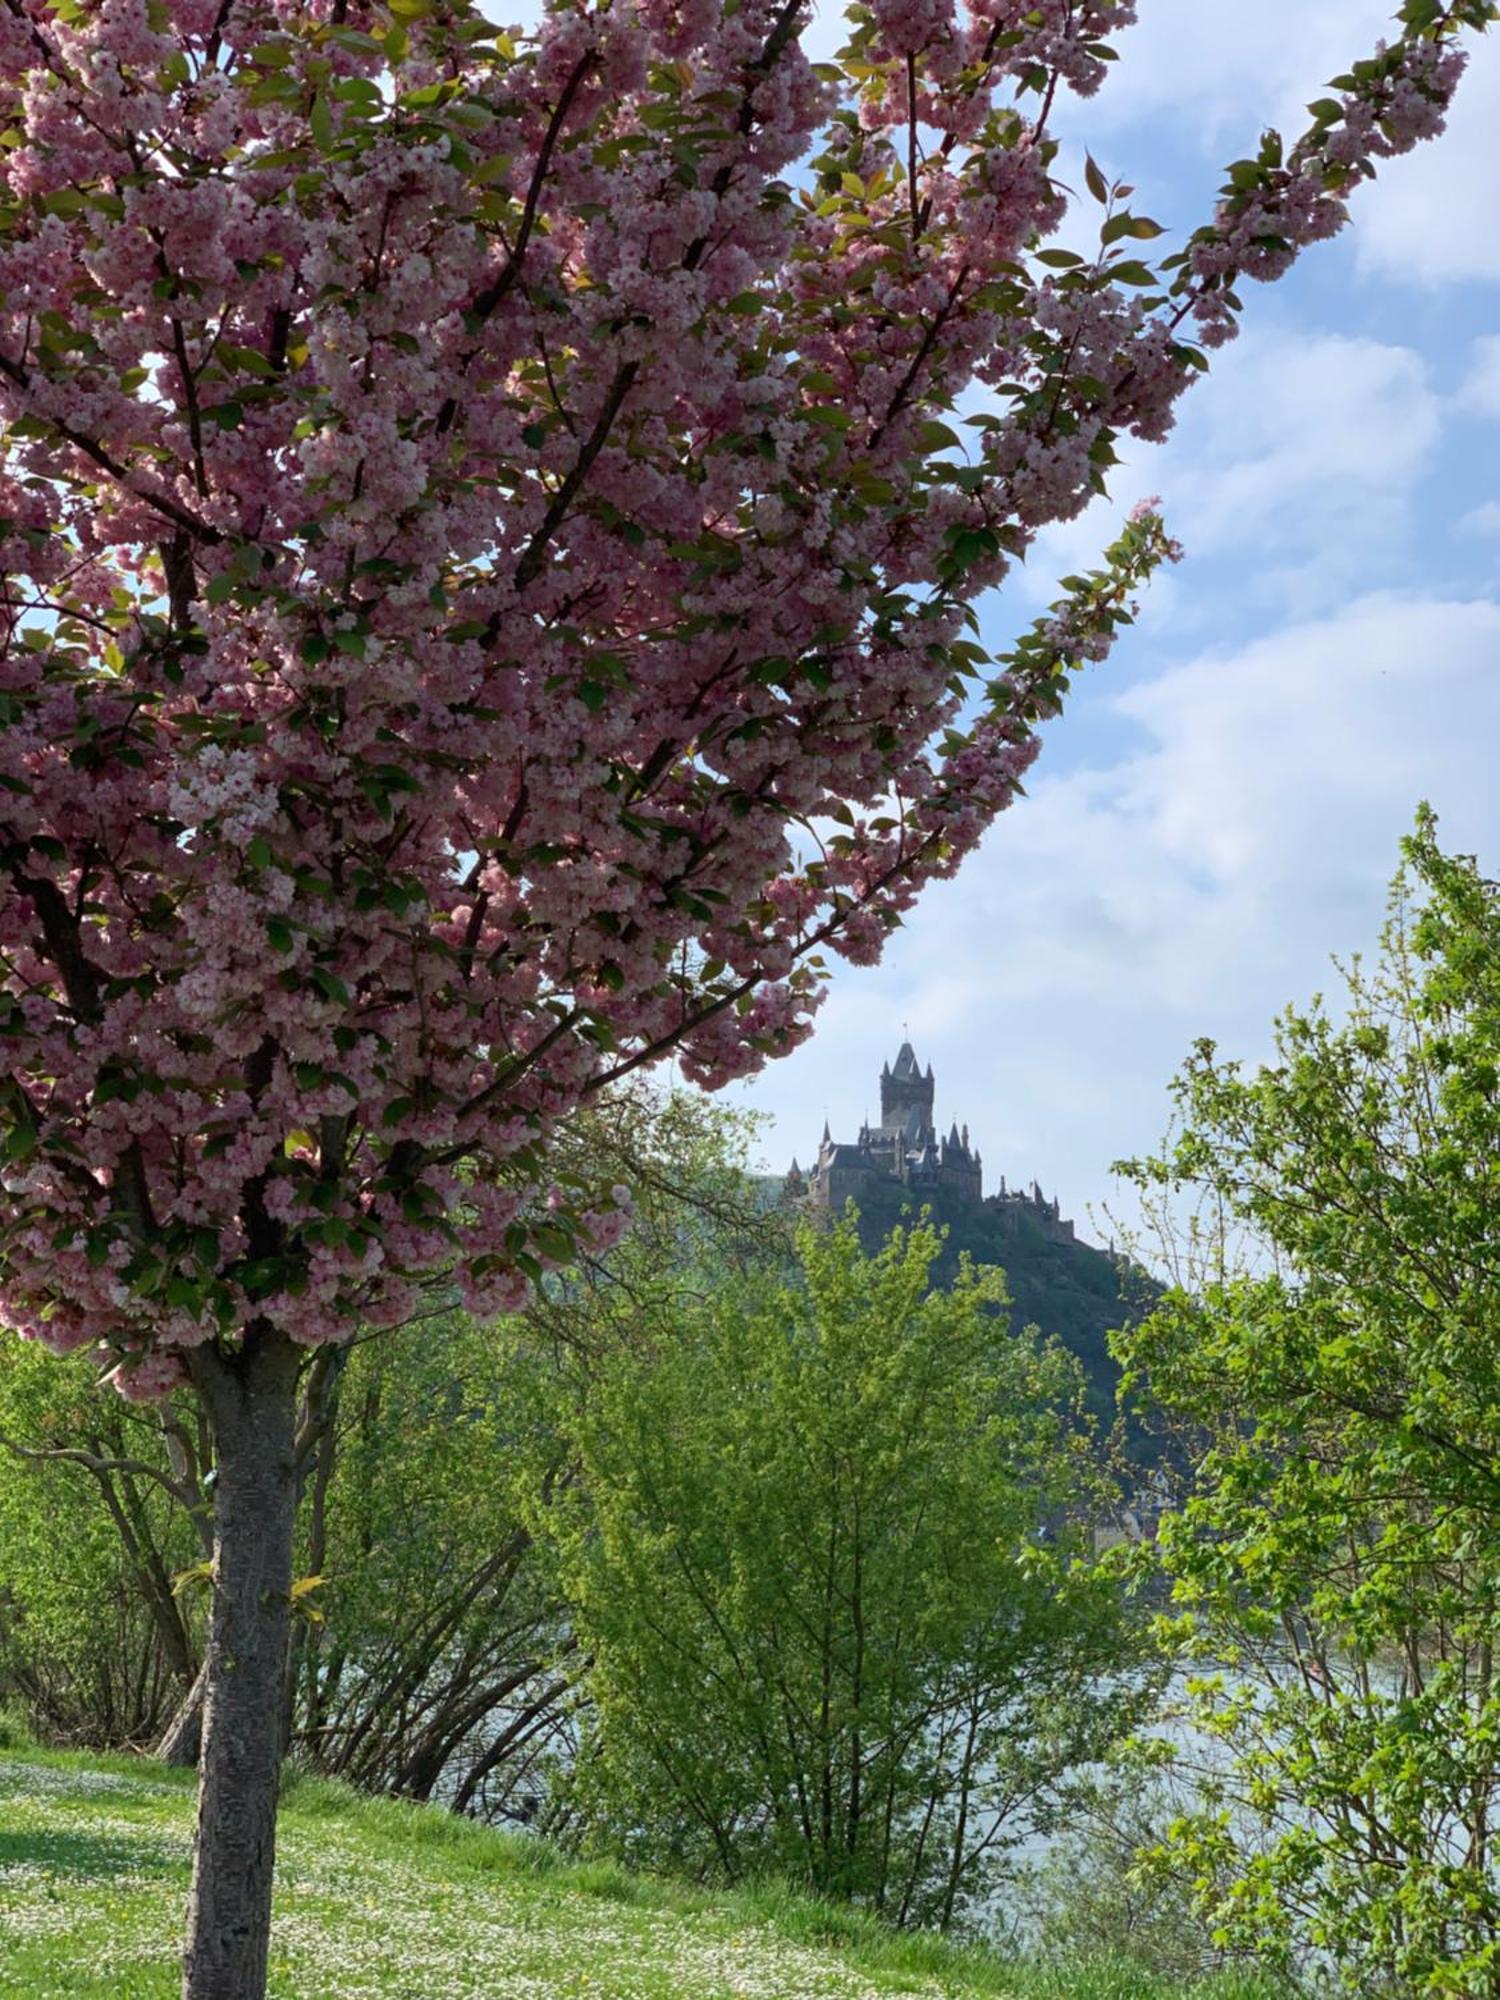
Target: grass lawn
379 1901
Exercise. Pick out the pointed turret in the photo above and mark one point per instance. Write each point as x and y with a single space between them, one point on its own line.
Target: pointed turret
906 1095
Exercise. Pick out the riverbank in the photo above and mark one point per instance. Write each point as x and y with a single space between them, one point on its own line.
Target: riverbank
380 1901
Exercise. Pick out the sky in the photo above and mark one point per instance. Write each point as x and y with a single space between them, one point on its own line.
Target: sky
1218 812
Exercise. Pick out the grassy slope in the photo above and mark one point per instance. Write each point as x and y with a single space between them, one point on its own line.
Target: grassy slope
379 1901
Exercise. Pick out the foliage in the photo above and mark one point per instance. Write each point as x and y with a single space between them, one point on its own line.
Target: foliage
384 1900
434 1653
96 1643
1339 1557
15 1732
1093 1895
445 1660
820 1552
426 1627
431 1629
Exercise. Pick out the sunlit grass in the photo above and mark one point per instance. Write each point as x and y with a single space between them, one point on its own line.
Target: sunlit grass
382 1901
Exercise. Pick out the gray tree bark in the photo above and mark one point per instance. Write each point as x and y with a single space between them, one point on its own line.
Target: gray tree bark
182 1739
251 1400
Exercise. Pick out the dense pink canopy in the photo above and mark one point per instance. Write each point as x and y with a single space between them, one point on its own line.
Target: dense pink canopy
487 552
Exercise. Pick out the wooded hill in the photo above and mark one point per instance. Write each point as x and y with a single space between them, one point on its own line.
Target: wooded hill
1072 1291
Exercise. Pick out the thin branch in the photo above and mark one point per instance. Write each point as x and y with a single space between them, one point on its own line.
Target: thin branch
100 1466
535 553
179 516
489 301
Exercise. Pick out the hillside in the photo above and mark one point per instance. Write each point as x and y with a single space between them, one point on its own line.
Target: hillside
1069 1290
380 1901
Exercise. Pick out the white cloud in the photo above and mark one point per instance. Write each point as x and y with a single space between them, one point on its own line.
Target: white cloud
1300 451
1220 71
1481 389
1191 886
1295 433
1483 520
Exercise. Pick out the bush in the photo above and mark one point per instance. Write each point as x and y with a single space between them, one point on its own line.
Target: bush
15 1732
821 1549
1336 1373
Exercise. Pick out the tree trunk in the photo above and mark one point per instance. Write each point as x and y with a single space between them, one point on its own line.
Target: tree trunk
251 1401
317 1431
182 1738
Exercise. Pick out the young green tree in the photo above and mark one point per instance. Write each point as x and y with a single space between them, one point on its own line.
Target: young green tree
96 1644
431 1653
820 1553
1339 1556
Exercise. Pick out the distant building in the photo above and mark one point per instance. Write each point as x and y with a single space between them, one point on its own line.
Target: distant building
905 1148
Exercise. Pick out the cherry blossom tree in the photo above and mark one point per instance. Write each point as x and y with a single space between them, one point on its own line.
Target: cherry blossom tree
488 554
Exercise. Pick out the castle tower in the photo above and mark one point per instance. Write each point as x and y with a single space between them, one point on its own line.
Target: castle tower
906 1094
904 1147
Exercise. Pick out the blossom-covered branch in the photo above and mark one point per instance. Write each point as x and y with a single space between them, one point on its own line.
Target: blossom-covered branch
469 503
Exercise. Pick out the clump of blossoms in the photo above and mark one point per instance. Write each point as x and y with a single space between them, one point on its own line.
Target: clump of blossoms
476 509
469 503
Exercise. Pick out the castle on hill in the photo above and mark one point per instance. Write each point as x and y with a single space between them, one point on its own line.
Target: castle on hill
904 1149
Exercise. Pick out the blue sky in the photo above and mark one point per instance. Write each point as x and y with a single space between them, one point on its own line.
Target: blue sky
1219 810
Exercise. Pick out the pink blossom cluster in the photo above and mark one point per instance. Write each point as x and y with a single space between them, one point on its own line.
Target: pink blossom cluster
1041 43
1407 103
1061 38
1272 211
476 511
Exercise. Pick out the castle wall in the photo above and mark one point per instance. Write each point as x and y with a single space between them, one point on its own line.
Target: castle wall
1039 1216
839 1185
